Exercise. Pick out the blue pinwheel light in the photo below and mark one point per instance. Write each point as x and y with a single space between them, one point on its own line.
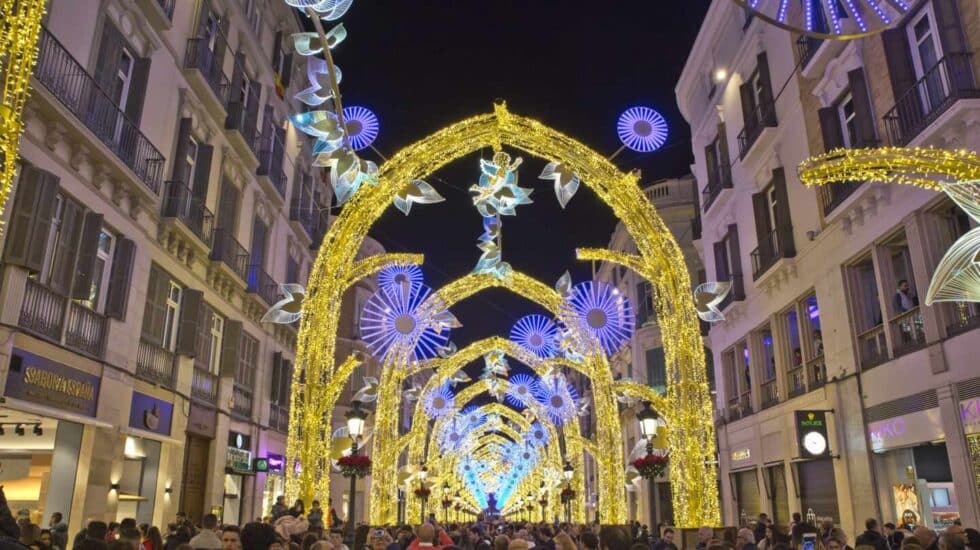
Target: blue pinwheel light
362 126
536 435
537 333
521 389
392 320
642 129
558 399
473 416
398 275
439 402
451 434
597 316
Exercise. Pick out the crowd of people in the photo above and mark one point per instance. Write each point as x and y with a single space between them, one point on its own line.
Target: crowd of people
295 528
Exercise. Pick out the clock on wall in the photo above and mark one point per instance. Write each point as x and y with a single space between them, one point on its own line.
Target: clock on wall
811 432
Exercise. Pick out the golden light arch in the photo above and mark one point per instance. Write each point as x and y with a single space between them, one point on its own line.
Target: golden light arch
659 259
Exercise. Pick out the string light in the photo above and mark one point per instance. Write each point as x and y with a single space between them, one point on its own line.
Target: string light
659 259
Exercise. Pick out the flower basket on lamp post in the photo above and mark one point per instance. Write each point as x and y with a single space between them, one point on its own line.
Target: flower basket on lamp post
355 465
423 492
567 494
651 466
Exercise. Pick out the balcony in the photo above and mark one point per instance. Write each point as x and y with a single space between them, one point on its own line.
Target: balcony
797 381
770 394
766 254
241 124
279 418
907 333
756 122
159 13
76 90
816 372
262 284
806 48
180 203
719 179
740 407
834 194
967 317
950 80
210 77
872 348
304 216
86 330
204 386
270 170
241 402
226 250
154 364
42 311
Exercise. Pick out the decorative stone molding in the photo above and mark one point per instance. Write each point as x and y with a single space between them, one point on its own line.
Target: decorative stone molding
834 81
126 17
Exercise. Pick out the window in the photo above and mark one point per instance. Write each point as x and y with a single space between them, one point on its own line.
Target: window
848 120
100 274
243 99
251 9
53 237
728 266
950 223
656 370
736 362
866 311
215 334
124 77
924 40
292 270
191 158
248 359
211 30
172 315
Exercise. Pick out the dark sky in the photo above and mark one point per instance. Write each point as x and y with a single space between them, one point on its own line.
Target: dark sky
421 65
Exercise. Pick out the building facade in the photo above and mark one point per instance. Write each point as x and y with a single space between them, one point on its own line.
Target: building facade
824 317
643 359
163 197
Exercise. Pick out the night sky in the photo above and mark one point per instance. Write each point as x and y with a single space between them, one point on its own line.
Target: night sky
422 65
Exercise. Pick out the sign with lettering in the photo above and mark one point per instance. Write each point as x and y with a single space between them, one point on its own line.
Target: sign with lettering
150 414
276 463
970 412
907 429
40 380
741 454
202 421
811 434
238 461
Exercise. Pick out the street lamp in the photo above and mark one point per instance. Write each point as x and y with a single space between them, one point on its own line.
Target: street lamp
355 429
423 473
649 422
567 472
445 502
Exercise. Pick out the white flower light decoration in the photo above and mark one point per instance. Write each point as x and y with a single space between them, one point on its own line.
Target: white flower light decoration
439 402
558 399
521 390
537 333
598 317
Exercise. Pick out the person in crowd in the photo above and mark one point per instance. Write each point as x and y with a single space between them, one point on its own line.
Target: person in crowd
760 525
207 539
427 538
904 298
893 536
131 536
589 541
315 517
260 536
45 539
745 539
113 532
297 509
231 538
666 541
871 536
59 531
518 544
927 537
501 542
153 540
564 542
952 540
613 537
279 509
705 534
912 543
181 536
335 520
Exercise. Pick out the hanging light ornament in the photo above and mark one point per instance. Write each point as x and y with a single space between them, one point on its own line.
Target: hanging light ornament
536 435
328 10
452 433
439 402
537 333
473 416
833 19
400 275
557 399
521 389
642 129
392 320
362 126
597 317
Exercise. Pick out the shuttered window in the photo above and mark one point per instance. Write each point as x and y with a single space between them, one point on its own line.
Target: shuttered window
282 375
162 311
656 370
728 264
778 494
248 361
35 207
120 279
818 488
747 493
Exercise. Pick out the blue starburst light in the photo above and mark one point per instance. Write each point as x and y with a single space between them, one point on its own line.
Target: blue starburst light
521 389
537 333
473 416
392 322
439 402
597 316
536 435
362 126
398 275
642 129
558 399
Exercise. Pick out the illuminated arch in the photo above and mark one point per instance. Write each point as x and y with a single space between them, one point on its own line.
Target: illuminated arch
659 260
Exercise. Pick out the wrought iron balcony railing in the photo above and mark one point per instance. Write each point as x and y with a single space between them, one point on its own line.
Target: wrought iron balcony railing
179 202
227 250
761 117
43 311
262 284
204 386
199 56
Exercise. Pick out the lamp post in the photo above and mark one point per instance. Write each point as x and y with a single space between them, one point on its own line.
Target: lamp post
567 472
445 502
355 429
423 473
649 422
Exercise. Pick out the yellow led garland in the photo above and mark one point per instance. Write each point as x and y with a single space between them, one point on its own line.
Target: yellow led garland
691 440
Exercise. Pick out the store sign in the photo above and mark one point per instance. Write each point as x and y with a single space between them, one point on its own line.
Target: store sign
150 414
238 461
276 463
741 454
970 412
261 465
239 441
908 429
202 421
811 434
40 380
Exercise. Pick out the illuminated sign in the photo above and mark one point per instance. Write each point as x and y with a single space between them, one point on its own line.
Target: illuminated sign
811 433
741 454
46 382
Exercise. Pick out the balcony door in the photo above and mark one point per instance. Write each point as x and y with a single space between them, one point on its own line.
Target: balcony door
927 51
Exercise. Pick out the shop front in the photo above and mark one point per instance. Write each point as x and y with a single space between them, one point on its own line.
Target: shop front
47 406
744 479
970 415
275 482
915 482
150 422
201 427
238 468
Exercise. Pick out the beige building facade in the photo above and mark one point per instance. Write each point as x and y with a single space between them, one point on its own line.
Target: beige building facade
825 318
